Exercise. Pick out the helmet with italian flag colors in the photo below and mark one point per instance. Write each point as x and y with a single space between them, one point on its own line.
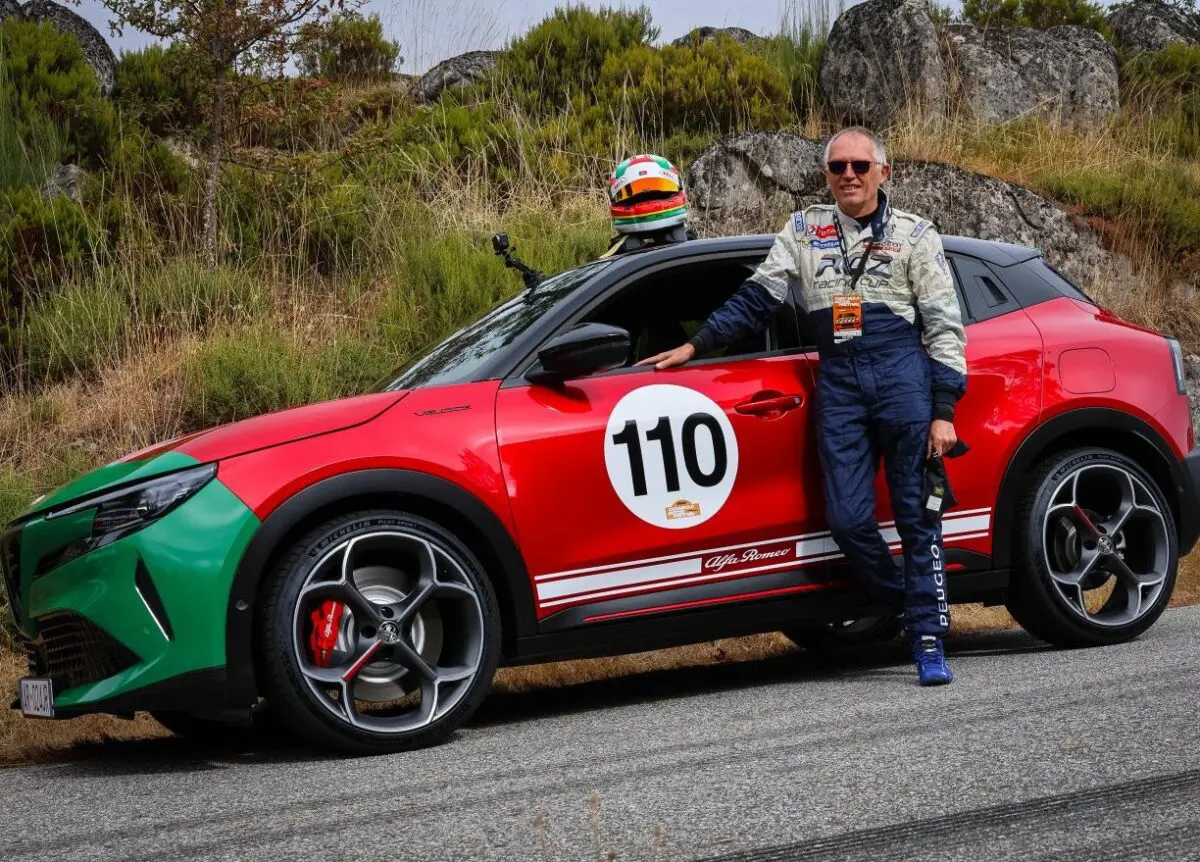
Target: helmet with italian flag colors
647 195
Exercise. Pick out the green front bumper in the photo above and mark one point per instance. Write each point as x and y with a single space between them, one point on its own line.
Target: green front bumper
142 611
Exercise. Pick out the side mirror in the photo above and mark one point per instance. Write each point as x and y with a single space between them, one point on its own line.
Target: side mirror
588 348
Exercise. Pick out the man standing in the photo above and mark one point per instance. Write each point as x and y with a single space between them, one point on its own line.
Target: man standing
879 295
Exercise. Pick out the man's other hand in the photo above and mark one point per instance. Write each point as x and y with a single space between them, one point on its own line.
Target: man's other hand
942 437
678 356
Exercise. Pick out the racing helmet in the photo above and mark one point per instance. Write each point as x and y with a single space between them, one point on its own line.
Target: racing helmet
646 193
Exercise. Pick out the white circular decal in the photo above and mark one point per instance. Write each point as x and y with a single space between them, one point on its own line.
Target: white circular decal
671 455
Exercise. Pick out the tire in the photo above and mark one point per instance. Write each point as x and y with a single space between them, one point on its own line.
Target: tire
417 669
1052 547
831 637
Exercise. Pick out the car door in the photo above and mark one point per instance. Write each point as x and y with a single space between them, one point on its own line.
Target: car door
636 489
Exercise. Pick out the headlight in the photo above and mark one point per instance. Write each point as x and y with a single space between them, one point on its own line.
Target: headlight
124 511
1177 359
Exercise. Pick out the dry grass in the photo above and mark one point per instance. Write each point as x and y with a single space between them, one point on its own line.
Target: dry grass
24 740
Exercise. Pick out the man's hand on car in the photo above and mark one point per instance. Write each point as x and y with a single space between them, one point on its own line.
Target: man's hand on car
942 437
678 356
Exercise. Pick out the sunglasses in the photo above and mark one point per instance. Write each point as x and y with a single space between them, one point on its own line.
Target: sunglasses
838 167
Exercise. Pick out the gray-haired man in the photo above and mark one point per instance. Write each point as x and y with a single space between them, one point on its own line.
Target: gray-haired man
880 298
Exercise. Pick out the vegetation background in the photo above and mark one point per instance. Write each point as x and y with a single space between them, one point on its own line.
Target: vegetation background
354 219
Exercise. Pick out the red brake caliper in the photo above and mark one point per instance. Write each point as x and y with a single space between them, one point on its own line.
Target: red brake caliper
326 621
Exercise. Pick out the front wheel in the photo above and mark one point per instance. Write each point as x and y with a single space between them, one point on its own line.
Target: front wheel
378 632
1096 553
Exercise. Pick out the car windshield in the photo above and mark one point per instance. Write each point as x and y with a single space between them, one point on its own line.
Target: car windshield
457 358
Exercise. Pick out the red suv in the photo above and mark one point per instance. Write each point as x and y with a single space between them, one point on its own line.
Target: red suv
521 493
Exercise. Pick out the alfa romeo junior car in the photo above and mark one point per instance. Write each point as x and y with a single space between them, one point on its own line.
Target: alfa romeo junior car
358 569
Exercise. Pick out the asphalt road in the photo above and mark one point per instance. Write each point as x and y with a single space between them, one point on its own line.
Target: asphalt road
1032 754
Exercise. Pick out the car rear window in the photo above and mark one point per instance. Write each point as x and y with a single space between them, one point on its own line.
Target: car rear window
1057 280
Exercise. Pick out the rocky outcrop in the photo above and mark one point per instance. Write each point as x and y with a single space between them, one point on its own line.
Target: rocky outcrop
701 35
881 61
67 180
9 8
1064 74
751 183
95 49
885 60
1151 25
460 71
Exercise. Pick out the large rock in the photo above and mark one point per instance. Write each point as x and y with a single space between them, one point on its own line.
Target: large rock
67 180
881 62
95 49
1065 74
1151 25
460 71
9 9
701 35
751 183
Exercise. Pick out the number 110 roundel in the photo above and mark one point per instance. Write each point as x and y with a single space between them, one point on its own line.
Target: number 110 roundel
671 455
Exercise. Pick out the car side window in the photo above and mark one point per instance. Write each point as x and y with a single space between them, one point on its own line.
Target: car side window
982 293
664 310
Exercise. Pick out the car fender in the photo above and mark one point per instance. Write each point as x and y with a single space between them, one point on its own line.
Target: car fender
305 508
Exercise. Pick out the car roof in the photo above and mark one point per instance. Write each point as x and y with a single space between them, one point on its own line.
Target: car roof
994 252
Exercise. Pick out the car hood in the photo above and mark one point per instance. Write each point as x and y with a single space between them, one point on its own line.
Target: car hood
225 441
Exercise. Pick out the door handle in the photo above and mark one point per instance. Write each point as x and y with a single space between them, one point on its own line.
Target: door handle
776 404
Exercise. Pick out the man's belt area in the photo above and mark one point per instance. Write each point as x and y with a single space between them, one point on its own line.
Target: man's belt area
870 344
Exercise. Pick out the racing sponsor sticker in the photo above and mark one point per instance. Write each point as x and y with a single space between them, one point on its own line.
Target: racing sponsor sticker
824 243
823 231
671 455
847 316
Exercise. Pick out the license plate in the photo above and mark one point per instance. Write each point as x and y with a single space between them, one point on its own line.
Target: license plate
37 698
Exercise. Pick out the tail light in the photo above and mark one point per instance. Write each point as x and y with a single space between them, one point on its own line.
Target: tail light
1177 361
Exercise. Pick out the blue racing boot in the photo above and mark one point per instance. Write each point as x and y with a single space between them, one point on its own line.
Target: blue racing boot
931 660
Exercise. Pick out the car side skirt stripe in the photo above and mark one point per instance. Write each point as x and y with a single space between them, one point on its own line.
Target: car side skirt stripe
561 588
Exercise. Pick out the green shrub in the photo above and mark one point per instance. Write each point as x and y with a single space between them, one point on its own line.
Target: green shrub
561 59
291 114
1163 201
1040 14
28 152
154 89
185 297
260 370
41 241
1162 90
717 86
45 75
75 330
349 49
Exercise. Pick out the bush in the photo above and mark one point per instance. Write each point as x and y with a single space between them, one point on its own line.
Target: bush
41 241
1163 89
260 370
291 114
717 86
153 88
74 331
349 49
1039 14
45 75
561 59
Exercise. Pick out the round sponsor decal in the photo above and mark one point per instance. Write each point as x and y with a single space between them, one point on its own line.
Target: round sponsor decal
671 455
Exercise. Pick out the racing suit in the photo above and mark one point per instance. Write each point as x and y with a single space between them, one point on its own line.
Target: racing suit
877 392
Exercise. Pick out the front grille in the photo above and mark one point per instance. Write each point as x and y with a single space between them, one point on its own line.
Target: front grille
73 651
10 565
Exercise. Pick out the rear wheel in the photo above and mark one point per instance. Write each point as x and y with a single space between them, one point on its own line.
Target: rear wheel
1096 553
378 632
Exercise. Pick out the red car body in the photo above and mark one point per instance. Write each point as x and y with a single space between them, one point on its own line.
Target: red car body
517 469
